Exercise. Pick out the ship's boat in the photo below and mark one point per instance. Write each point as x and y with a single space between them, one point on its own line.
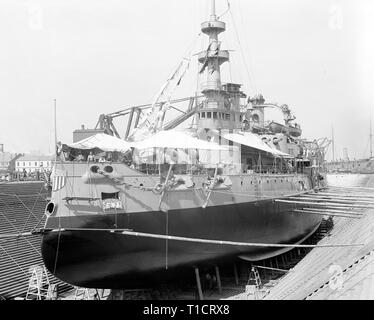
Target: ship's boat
170 199
293 131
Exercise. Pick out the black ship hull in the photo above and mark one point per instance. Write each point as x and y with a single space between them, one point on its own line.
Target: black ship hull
102 259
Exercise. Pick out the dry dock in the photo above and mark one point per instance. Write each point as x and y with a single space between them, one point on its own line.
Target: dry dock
334 273
345 272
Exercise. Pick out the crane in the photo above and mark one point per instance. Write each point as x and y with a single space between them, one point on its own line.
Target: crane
105 121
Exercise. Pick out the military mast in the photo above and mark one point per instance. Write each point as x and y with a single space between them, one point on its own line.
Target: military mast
221 109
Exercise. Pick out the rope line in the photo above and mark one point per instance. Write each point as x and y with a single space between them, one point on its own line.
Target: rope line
10 256
57 249
16 229
242 52
127 232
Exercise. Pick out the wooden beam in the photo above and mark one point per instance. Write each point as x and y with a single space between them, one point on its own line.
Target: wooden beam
332 200
354 199
323 204
218 279
236 274
328 214
345 195
274 269
198 283
335 211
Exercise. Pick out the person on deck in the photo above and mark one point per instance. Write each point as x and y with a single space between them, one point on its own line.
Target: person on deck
102 159
80 157
91 157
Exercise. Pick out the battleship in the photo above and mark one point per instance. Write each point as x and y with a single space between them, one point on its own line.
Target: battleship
126 212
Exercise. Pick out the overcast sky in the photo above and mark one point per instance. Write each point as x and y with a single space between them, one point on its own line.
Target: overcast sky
102 56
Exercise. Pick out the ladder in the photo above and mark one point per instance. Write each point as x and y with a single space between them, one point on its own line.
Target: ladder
253 290
256 277
39 286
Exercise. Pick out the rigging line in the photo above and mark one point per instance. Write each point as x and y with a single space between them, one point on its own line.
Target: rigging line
246 46
40 220
14 235
227 10
32 209
23 195
4 215
251 84
9 255
58 246
167 242
15 228
31 213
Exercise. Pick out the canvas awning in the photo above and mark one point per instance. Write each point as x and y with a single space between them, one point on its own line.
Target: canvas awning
103 142
175 139
253 141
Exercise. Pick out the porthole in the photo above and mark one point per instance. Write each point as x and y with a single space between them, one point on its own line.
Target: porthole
108 169
95 169
50 208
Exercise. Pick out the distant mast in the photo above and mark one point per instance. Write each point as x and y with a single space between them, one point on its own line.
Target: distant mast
55 126
371 141
333 144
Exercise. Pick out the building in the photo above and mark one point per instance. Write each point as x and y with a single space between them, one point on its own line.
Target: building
8 161
84 133
33 163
